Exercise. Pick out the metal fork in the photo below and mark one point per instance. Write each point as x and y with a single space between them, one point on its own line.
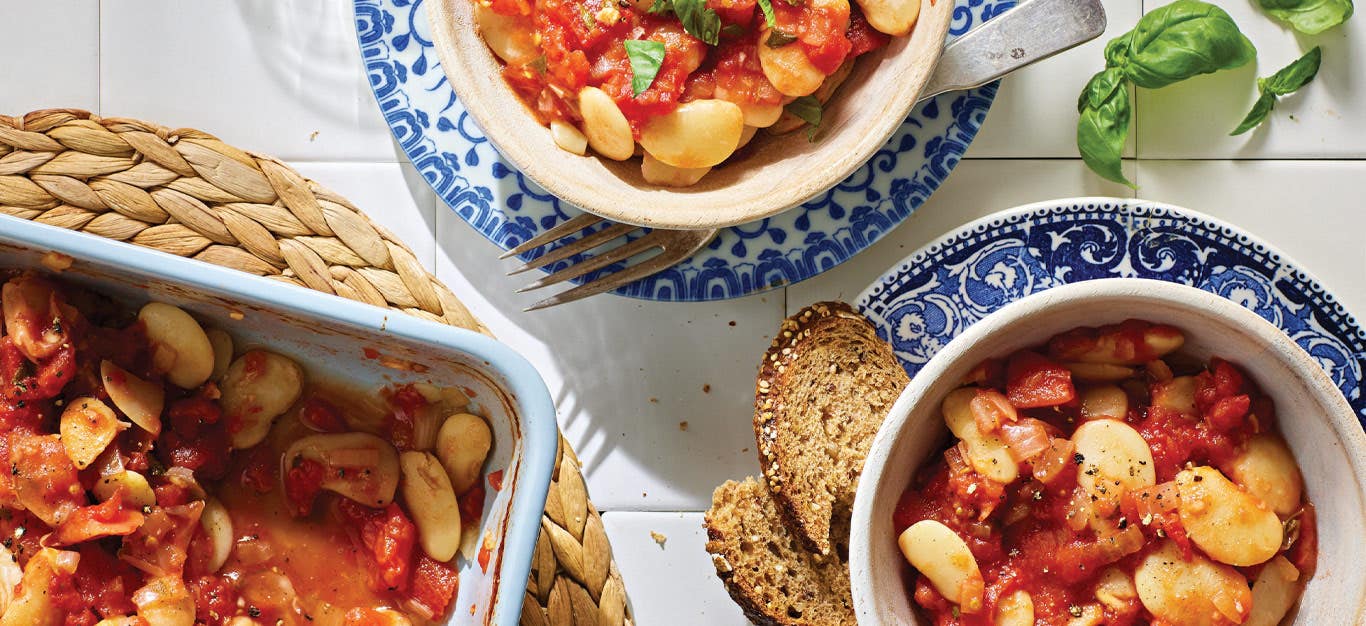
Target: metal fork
673 246
1032 31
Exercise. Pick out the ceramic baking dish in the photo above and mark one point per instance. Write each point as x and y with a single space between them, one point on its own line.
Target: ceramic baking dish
353 344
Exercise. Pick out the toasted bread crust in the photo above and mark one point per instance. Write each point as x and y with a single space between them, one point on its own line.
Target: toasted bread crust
742 511
804 332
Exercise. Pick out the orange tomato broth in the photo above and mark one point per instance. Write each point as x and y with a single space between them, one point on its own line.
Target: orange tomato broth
579 50
334 569
1037 550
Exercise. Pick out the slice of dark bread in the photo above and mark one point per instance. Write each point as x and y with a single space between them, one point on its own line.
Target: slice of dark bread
768 572
823 389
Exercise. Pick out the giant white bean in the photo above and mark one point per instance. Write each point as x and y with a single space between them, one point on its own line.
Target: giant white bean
1177 394
1115 590
88 426
1105 401
33 604
1227 523
10 575
699 133
165 601
893 17
943 557
987 452
217 525
258 387
1273 594
568 137
1115 459
136 490
509 36
657 172
359 466
605 125
140 400
1098 372
430 498
1195 592
1267 469
180 349
222 352
1016 609
462 444
789 122
788 68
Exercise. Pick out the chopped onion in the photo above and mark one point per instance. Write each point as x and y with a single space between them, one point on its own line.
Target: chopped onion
1051 462
991 410
1026 438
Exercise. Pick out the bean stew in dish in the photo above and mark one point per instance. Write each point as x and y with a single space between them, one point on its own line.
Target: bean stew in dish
1107 478
159 475
682 83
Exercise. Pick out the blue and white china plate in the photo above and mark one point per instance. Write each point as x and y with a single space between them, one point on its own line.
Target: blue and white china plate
462 167
935 293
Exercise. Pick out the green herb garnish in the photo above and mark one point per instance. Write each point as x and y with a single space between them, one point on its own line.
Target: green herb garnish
766 6
808 109
646 57
1170 44
779 38
1283 83
698 20
1310 17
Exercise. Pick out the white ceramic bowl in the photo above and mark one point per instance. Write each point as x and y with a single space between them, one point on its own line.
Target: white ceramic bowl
1314 417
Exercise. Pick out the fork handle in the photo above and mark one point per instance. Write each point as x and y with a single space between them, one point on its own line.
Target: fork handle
1031 32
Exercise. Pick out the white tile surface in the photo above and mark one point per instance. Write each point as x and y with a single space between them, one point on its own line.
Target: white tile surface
1311 211
674 583
280 76
51 56
1192 119
1035 112
976 189
626 373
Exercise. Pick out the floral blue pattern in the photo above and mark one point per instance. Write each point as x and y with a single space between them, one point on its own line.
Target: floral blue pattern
465 170
943 288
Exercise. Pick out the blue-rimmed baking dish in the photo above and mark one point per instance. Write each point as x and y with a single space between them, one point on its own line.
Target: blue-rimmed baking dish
354 344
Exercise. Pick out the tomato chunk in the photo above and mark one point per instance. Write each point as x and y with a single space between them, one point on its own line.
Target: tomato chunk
388 536
109 518
1034 381
303 483
434 585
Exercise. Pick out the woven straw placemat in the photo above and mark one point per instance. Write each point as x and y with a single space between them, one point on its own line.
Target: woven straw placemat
185 192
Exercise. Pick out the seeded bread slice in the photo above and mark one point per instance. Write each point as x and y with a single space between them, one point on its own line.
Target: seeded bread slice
767 570
823 389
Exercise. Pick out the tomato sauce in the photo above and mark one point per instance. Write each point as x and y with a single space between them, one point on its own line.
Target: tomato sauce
581 44
1026 535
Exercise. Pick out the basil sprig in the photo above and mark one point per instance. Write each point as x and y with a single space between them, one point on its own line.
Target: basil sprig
1170 44
1310 17
778 38
698 20
766 6
1283 83
646 56
809 110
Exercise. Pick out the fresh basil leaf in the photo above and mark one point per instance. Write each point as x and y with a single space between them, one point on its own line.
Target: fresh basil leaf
1291 77
1283 83
778 38
646 57
1104 124
732 30
1260 110
700 21
766 6
538 64
1177 41
661 7
808 108
1310 17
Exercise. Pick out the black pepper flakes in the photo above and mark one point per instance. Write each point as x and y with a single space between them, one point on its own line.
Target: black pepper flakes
1078 458
253 611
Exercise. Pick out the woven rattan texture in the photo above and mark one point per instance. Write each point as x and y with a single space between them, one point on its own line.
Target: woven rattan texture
185 192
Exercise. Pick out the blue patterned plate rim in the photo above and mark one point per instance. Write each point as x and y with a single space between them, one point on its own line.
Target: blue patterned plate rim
465 171
934 293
